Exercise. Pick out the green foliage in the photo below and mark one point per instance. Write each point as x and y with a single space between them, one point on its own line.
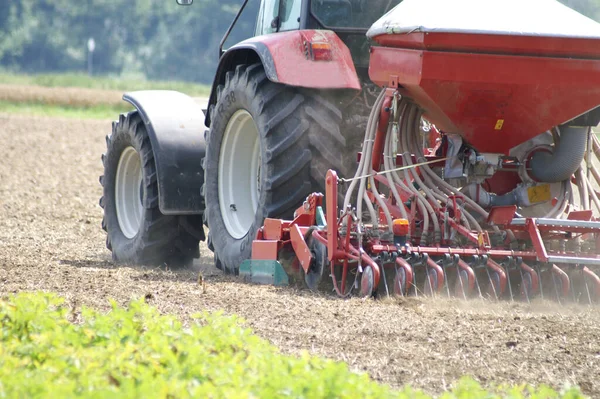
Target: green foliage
155 38
589 8
136 352
47 350
105 83
64 111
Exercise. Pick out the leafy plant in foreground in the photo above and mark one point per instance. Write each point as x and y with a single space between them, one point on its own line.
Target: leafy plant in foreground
136 352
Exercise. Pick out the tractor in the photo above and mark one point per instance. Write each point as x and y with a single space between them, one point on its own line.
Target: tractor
452 142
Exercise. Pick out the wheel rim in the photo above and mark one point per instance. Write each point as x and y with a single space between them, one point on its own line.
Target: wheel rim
239 174
128 192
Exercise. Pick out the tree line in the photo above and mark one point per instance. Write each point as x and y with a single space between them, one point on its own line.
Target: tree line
154 38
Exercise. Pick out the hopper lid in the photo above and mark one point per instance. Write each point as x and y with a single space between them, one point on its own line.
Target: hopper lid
501 17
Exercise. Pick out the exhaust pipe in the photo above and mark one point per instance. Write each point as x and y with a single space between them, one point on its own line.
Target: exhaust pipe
565 160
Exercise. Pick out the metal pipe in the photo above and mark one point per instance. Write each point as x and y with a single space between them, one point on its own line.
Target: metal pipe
592 193
566 158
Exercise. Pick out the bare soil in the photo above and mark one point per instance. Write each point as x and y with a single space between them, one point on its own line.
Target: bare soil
50 239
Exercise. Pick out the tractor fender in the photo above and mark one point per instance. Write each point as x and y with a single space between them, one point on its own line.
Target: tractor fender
175 125
287 59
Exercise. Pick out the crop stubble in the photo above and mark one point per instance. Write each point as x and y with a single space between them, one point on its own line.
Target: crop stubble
64 96
50 239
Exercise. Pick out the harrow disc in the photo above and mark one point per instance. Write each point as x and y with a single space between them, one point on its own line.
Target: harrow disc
462 287
314 277
527 287
431 284
494 289
367 282
400 282
561 282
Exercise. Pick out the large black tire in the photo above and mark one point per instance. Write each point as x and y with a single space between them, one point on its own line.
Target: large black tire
300 140
160 239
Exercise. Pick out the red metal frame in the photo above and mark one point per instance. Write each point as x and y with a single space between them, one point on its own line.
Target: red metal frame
495 101
470 274
290 56
440 274
564 279
300 247
495 44
594 279
501 274
535 279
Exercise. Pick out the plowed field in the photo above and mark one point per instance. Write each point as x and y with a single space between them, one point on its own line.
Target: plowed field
50 239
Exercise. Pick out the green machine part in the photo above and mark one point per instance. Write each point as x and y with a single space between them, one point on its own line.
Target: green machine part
264 272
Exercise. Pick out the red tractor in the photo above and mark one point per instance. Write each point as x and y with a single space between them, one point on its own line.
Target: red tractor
448 139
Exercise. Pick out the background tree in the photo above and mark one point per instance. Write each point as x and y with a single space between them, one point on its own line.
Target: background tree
153 38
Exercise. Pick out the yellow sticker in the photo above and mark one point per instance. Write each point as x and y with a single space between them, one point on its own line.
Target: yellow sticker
480 240
499 124
539 193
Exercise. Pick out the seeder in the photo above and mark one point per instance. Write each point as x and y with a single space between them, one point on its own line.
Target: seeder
458 190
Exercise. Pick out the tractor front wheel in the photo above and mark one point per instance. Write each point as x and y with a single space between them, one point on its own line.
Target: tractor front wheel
267 147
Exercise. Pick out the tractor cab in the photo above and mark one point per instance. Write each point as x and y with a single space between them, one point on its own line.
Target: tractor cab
349 19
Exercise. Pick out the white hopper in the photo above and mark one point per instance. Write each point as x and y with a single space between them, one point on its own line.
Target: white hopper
547 18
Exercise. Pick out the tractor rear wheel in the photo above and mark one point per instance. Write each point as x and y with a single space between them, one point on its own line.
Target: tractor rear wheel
269 147
137 232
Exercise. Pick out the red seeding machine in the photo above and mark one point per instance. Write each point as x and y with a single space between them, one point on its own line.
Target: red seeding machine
476 170
453 106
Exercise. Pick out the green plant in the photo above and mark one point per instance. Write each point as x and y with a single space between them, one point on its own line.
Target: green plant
117 83
64 111
48 349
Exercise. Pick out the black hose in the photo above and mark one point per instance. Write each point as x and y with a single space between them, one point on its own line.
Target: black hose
566 158
504 200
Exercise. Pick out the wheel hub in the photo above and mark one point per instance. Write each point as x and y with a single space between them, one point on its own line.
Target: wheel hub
239 174
129 192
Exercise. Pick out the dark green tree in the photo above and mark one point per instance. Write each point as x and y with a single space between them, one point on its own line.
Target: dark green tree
156 38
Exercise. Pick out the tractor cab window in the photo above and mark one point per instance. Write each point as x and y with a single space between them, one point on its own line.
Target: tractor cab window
290 14
358 14
278 16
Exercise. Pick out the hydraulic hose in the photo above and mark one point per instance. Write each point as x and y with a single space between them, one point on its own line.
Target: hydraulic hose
566 158
424 205
388 161
412 116
364 161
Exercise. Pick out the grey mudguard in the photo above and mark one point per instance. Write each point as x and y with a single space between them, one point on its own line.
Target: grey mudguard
175 124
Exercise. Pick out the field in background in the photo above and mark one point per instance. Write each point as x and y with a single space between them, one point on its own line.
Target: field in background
102 82
77 95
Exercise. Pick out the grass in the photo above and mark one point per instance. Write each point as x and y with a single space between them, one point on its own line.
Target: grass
64 111
49 348
102 82
73 95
